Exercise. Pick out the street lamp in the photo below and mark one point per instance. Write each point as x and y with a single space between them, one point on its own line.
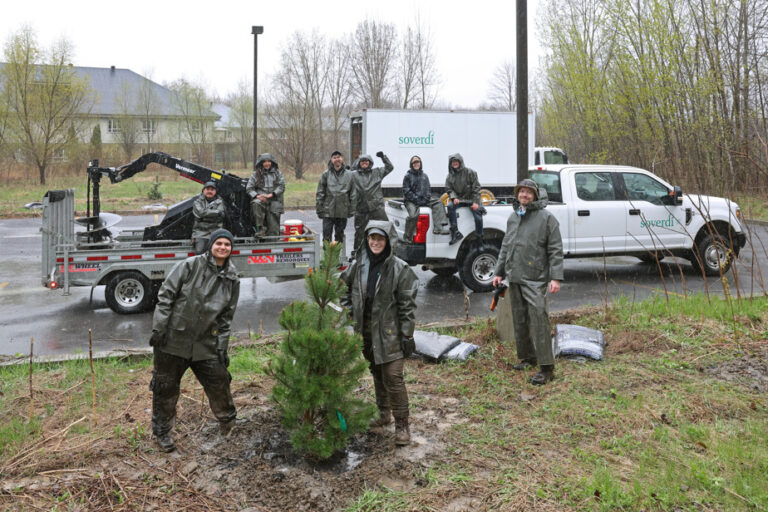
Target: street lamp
521 90
255 30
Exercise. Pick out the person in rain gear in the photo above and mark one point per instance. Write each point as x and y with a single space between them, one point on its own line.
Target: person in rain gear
335 198
190 329
381 293
463 189
209 213
265 188
416 193
370 198
531 258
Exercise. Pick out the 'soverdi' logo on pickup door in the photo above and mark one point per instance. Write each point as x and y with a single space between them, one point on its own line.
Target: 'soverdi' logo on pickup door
658 223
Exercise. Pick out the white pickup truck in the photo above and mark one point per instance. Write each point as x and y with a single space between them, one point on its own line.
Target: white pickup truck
602 209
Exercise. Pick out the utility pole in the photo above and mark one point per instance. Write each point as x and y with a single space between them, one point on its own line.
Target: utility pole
255 30
521 90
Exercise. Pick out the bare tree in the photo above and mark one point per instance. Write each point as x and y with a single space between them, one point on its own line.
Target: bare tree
241 117
418 68
45 99
373 51
407 68
194 108
339 92
128 132
147 107
502 87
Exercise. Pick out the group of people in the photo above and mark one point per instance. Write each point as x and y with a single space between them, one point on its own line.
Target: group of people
196 303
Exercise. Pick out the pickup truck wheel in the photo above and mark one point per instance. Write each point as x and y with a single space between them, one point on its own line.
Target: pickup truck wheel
479 267
713 252
129 292
648 258
444 271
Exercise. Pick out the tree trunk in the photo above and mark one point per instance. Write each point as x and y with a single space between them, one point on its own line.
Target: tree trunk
41 168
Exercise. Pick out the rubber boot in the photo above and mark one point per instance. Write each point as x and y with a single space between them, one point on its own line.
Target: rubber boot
402 432
546 373
524 364
384 419
455 236
165 442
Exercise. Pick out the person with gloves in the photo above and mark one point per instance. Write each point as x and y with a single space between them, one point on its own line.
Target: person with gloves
417 193
531 258
463 189
209 212
335 198
369 196
381 294
265 188
190 329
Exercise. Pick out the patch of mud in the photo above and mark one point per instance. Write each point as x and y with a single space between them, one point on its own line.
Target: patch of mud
749 370
625 342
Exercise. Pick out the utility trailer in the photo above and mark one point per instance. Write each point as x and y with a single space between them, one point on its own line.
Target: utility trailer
132 264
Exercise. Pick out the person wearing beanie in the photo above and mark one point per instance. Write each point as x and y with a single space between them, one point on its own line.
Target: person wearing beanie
417 193
265 188
190 329
381 294
209 213
370 197
335 198
531 258
463 189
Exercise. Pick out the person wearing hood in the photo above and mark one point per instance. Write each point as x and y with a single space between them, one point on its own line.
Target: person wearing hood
335 198
265 188
463 189
209 212
531 258
370 198
417 193
190 329
381 294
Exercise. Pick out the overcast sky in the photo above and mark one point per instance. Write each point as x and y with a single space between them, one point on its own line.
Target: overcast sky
212 41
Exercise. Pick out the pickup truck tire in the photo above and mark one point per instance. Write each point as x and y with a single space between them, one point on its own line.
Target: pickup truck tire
648 258
713 252
129 292
478 267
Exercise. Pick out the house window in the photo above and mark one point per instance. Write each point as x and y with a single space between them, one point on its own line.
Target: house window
114 126
148 126
195 125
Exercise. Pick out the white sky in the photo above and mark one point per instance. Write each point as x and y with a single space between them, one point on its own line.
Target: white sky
212 41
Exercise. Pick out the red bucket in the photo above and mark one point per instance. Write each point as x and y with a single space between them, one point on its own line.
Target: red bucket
293 228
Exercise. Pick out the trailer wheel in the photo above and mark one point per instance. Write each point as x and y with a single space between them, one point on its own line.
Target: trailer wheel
713 251
479 267
129 292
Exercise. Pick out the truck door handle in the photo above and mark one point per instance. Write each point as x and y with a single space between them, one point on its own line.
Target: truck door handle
634 211
583 213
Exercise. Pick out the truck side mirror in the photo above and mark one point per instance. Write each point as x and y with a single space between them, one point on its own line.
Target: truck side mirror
677 194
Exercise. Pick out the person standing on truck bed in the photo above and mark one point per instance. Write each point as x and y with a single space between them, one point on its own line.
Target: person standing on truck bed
463 189
335 198
265 188
209 212
191 328
531 258
416 193
370 198
381 294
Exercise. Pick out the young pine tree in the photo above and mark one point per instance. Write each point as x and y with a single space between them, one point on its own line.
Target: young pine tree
319 365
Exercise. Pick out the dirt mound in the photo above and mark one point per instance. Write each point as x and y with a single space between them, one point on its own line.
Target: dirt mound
749 370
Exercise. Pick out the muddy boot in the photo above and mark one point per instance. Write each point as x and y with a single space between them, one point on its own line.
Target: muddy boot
402 433
384 419
165 442
524 364
455 236
545 374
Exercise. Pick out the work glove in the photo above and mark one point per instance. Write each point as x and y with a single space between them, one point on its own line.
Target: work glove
157 339
407 346
223 357
380 154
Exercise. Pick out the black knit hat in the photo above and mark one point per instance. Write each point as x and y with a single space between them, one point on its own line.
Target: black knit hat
337 152
220 233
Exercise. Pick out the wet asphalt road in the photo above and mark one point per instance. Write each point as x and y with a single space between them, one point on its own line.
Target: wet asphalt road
60 323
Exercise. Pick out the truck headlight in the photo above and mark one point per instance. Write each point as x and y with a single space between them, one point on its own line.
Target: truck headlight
738 214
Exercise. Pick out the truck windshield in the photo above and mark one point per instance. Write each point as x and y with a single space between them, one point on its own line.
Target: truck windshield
550 181
555 157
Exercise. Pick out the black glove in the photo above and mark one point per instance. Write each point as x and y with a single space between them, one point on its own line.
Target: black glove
380 154
157 339
407 346
223 357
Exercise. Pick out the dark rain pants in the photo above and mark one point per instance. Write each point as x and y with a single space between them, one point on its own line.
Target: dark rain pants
475 213
265 221
530 312
439 220
361 220
334 226
165 386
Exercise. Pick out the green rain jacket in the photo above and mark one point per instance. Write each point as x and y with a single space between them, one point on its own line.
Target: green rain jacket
532 249
195 307
393 314
368 192
462 183
270 181
209 215
336 194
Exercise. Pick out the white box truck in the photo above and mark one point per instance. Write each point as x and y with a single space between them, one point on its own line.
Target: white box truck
486 140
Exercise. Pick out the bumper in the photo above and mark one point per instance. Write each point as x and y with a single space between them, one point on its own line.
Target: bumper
411 253
741 239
